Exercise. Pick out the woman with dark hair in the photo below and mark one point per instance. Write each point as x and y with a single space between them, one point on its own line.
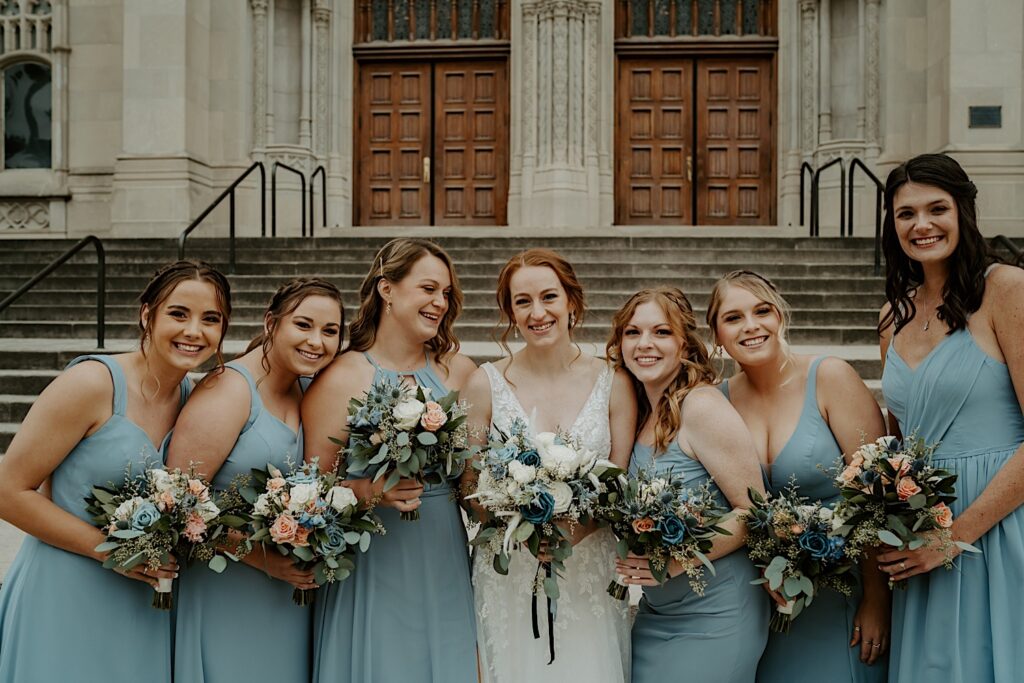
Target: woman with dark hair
952 343
406 613
552 385
63 617
234 422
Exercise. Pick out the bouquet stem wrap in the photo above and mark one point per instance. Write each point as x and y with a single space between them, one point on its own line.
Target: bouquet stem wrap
162 594
551 614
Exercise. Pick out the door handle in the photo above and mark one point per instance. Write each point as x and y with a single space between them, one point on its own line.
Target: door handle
689 168
426 169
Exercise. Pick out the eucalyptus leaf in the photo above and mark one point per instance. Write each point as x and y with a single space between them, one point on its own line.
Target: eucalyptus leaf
551 587
218 563
889 538
426 438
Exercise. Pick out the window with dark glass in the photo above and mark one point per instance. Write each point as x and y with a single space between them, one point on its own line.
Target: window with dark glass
423 20
27 116
693 18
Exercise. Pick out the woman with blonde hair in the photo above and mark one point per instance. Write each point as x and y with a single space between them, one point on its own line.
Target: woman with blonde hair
553 385
805 413
406 613
686 426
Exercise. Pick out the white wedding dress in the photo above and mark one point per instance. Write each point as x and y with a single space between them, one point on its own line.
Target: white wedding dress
591 628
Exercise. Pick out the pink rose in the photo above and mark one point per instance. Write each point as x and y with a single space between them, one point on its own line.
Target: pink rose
284 529
301 537
907 487
900 464
198 489
643 525
164 501
857 460
943 515
195 527
433 417
850 473
275 484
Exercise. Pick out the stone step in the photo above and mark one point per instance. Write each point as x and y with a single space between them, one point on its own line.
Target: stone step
25 382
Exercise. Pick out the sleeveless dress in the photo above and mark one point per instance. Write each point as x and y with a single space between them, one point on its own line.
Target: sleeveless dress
965 625
679 635
591 628
221 616
63 617
406 613
820 638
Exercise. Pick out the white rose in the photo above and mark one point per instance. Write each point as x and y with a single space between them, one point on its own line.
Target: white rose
826 513
523 474
262 505
208 510
341 498
407 413
562 494
161 480
558 459
837 523
126 509
544 440
301 496
512 489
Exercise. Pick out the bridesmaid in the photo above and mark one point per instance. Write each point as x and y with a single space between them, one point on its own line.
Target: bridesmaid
952 341
805 413
62 616
406 614
687 426
236 421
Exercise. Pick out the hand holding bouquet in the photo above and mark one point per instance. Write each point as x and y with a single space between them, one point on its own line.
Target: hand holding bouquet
791 542
310 517
892 493
656 516
398 431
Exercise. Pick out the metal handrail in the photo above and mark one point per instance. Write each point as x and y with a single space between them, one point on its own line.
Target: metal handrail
816 200
855 162
1006 243
810 171
273 196
323 197
101 282
230 192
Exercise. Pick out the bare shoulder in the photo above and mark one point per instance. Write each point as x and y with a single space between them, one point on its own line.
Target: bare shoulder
705 402
460 368
1004 285
347 370
621 379
836 371
886 332
87 384
227 384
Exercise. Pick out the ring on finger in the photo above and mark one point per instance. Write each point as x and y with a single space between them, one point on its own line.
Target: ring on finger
877 645
856 628
903 566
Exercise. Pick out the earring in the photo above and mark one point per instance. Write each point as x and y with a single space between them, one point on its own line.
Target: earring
572 320
387 310
515 332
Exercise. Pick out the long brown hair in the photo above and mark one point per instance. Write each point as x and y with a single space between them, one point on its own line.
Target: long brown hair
695 369
285 300
393 263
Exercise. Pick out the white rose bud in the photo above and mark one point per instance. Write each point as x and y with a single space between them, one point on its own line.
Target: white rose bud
126 509
161 480
562 494
262 505
341 498
407 414
301 496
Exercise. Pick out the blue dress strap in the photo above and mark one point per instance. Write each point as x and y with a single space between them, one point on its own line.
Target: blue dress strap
116 374
255 404
723 386
811 392
374 363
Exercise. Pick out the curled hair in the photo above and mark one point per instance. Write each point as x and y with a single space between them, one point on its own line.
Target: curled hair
543 258
170 276
755 283
695 368
393 263
965 285
284 302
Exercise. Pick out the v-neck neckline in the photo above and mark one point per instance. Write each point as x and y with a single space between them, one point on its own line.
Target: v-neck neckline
583 408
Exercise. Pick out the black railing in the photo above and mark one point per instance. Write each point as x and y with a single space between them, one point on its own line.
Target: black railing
230 193
273 196
816 198
323 197
101 283
810 171
1005 242
856 163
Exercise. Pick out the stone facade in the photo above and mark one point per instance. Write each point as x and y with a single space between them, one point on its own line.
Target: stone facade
158 105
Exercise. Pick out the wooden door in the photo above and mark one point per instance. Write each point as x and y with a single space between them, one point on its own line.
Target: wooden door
394 140
470 177
655 142
734 142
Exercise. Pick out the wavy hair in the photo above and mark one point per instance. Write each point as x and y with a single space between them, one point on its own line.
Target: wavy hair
695 368
393 263
965 285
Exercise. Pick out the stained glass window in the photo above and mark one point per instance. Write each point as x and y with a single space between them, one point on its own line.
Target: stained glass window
488 18
465 19
751 17
639 25
706 17
684 17
422 19
444 18
727 17
379 9
27 116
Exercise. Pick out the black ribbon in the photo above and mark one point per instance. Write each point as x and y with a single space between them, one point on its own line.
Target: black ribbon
551 615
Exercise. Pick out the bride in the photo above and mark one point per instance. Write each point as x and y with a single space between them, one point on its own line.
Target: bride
562 389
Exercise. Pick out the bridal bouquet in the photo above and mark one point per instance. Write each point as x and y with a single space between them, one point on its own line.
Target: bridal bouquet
791 542
156 515
397 431
892 493
657 516
310 517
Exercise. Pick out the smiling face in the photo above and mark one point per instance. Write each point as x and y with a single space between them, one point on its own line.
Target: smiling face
651 349
306 339
748 328
187 326
927 222
419 301
540 306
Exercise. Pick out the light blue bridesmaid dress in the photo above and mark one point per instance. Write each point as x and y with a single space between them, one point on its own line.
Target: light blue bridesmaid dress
965 625
406 614
681 636
221 618
63 617
819 639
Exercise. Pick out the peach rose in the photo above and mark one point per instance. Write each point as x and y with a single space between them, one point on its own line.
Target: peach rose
943 515
164 501
275 484
907 487
796 529
198 489
900 464
301 537
857 460
195 527
850 473
643 525
433 417
284 529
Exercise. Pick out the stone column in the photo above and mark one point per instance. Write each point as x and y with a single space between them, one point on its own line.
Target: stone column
305 129
809 72
824 62
872 77
259 77
321 84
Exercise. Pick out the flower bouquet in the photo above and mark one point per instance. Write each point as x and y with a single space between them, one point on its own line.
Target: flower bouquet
397 431
892 493
791 542
308 516
657 516
152 516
